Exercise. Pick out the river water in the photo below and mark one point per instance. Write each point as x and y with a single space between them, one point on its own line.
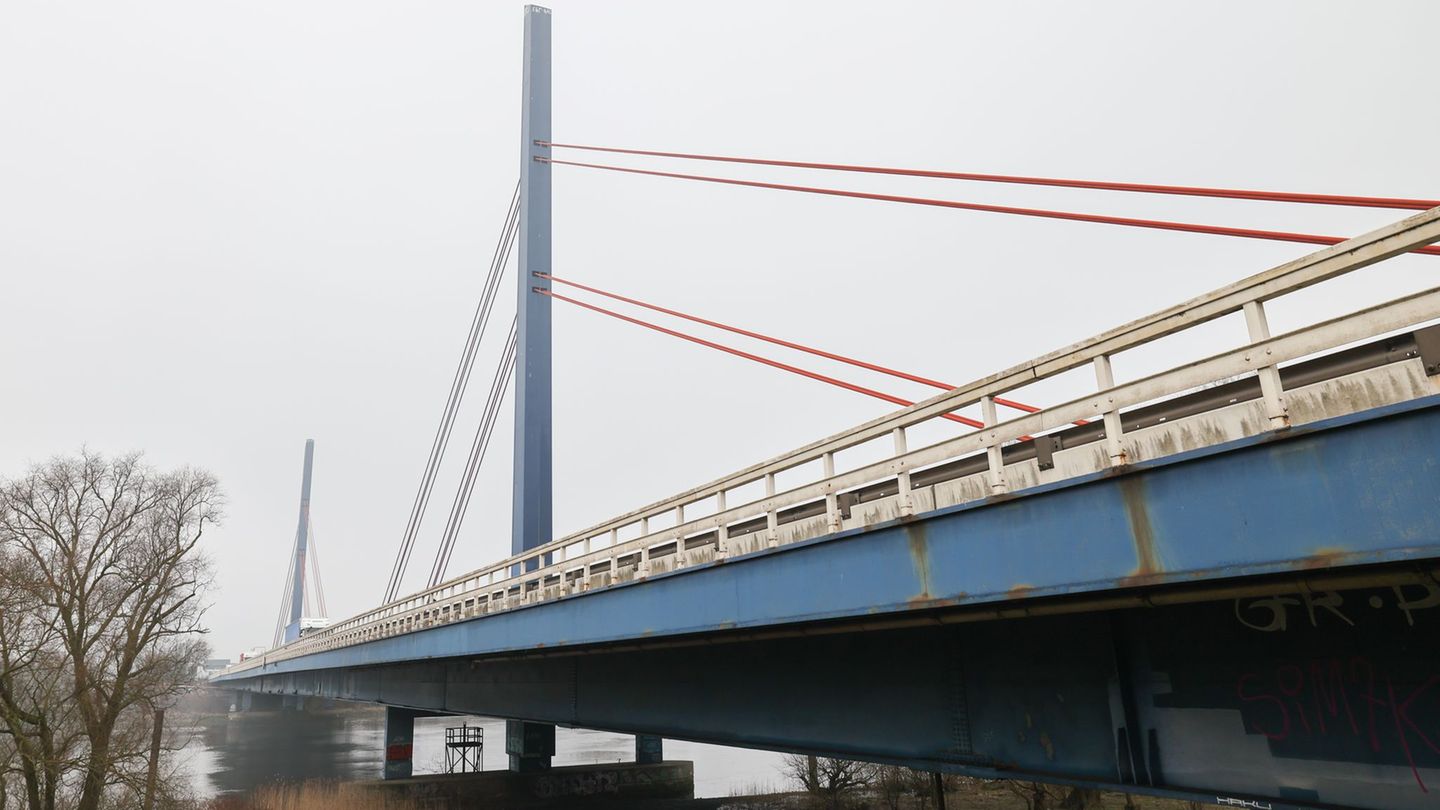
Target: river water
236 752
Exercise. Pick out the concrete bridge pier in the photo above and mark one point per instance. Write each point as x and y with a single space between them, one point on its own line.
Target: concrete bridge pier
649 749
399 742
257 702
530 745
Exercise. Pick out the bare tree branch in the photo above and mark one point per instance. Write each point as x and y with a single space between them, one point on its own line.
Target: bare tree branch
101 585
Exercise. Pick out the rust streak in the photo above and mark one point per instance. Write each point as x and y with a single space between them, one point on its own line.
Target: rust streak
919 557
1324 558
1048 745
1142 533
922 602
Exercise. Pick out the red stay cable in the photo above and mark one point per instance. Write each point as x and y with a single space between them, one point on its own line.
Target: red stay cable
1143 188
1278 236
1009 403
859 389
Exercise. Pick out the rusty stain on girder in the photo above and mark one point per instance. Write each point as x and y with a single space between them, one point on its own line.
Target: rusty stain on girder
1142 532
919 544
1327 557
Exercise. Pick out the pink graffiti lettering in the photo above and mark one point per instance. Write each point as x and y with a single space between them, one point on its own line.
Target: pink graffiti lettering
1282 702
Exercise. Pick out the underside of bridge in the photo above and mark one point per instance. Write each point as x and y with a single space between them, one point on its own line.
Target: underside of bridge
1315 697
1251 623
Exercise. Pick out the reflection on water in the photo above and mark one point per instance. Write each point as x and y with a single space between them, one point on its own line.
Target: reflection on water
239 751
242 750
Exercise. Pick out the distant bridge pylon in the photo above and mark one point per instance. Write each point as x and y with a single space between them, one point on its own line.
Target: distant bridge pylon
302 602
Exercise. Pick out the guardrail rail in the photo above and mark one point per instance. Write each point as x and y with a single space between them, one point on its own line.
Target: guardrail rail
1243 391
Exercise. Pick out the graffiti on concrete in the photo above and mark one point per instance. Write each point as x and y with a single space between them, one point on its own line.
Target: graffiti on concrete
1347 676
622 781
1322 699
1272 614
587 783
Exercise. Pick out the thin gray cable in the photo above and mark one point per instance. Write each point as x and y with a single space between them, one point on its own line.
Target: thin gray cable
424 505
499 385
499 259
286 594
314 556
461 504
432 473
457 389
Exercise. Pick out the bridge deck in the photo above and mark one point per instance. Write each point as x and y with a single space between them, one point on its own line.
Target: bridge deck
865 644
839 616
1267 400
1347 491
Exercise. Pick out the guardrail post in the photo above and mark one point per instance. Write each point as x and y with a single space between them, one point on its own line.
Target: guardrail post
994 454
722 532
772 519
1270 389
905 500
642 570
679 536
1105 380
832 499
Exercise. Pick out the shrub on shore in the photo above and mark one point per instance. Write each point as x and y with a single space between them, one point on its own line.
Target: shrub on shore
312 795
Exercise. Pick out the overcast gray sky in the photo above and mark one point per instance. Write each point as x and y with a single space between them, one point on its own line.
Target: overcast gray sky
226 227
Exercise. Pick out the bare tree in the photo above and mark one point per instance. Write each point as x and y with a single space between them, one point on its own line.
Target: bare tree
830 780
35 711
1036 795
7 770
897 787
1083 799
1042 796
104 567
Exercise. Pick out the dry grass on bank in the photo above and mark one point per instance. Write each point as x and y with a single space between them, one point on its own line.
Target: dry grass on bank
312 795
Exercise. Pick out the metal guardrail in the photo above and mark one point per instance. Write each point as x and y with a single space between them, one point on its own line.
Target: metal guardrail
579 561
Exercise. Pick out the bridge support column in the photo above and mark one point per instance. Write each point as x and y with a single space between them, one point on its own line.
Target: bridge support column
260 702
399 742
530 745
531 510
649 749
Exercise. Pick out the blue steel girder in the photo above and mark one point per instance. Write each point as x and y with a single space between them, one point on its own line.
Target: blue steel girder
1303 699
1348 491
1306 698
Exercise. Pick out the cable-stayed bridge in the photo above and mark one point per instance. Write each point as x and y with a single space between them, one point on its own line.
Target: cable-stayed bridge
1218 581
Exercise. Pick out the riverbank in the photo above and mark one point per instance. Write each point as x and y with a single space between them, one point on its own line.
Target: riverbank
317 759
961 794
235 753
